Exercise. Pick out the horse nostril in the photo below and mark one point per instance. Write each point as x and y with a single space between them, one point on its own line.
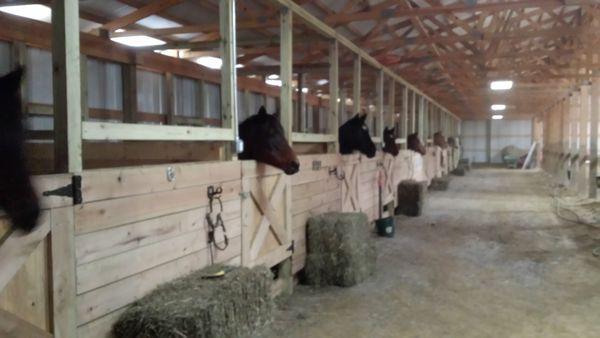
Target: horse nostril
296 165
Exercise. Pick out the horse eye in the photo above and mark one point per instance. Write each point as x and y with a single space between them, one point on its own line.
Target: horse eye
364 127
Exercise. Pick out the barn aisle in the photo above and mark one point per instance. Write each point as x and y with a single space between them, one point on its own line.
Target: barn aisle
488 259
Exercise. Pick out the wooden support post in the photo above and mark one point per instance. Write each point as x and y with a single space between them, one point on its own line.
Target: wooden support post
356 85
594 120
422 129
286 70
64 300
228 73
391 114
85 111
333 96
300 103
379 105
343 113
584 111
170 98
404 116
413 114
66 86
129 78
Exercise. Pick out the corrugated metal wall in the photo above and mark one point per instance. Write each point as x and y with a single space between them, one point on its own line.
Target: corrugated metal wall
473 140
476 137
517 133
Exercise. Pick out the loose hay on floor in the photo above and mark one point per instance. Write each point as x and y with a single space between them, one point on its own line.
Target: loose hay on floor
411 198
234 305
440 183
340 249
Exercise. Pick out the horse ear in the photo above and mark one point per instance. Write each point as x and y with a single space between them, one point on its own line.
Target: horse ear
262 111
12 81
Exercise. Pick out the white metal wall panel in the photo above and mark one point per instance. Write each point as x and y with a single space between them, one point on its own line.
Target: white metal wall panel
256 101
517 133
4 57
150 92
39 76
185 95
212 101
473 140
105 85
271 105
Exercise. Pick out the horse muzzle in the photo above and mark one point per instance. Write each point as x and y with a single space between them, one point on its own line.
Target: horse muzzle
292 168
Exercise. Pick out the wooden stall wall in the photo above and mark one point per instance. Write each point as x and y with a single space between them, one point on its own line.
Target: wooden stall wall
368 189
32 264
315 190
143 226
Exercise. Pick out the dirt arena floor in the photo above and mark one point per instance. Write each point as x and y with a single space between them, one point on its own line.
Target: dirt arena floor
489 258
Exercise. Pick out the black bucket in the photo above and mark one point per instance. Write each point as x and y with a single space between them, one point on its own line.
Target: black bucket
385 227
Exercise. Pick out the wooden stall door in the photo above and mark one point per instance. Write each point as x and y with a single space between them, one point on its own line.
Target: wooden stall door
389 190
351 170
266 215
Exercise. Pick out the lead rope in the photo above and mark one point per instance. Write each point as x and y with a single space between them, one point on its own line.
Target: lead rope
215 194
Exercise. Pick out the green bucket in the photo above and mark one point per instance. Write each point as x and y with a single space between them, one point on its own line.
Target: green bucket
385 227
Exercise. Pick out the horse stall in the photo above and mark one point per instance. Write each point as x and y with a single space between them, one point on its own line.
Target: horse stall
136 152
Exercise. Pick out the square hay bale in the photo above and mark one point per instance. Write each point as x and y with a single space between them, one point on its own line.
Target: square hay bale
340 249
458 171
465 163
411 198
233 305
440 183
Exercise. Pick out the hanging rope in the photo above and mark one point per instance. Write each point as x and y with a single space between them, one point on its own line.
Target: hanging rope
214 194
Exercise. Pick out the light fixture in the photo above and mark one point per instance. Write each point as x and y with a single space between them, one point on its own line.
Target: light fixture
501 85
322 82
213 62
349 102
35 12
273 82
497 107
305 90
273 77
138 41
497 117
339 100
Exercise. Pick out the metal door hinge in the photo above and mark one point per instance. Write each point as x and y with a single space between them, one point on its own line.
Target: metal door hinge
72 190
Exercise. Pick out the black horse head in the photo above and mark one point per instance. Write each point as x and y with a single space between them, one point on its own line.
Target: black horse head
354 135
414 143
17 197
389 141
264 141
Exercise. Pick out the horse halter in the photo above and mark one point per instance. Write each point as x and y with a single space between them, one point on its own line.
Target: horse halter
214 194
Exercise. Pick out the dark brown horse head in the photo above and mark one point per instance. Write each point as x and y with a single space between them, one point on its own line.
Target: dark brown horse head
354 135
264 141
439 140
452 142
17 197
414 143
389 141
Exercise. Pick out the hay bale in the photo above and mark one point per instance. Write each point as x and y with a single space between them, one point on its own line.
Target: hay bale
440 183
465 163
234 305
458 171
340 249
411 198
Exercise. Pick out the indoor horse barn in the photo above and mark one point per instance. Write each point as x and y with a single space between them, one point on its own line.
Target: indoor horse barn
299 168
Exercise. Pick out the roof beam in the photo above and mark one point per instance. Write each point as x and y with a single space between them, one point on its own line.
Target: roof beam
384 13
140 13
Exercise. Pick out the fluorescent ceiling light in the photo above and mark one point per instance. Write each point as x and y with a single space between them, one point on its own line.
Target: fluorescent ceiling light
497 107
501 85
322 82
273 77
35 12
210 62
497 117
273 82
213 62
138 41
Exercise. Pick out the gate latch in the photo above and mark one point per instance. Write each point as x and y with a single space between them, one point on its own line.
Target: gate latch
292 247
72 190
